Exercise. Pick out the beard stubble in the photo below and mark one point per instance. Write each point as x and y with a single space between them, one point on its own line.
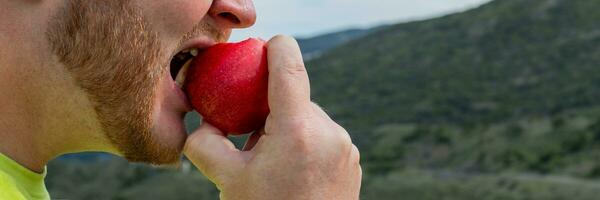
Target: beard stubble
109 49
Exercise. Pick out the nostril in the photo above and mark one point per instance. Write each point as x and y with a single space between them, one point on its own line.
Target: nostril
230 17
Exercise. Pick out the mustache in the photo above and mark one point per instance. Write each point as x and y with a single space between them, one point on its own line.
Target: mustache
205 29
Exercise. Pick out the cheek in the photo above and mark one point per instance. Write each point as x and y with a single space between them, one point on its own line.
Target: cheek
173 18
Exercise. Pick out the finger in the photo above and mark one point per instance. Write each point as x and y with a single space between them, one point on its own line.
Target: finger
211 151
289 87
253 139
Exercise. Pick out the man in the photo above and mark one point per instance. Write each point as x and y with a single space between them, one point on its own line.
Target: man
82 75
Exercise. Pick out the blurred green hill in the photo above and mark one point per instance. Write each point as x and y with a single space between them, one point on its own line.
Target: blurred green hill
499 102
518 76
509 58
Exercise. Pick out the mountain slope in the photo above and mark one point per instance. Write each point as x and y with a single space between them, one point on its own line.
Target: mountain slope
512 86
505 59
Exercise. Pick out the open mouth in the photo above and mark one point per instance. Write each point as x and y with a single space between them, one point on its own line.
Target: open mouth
180 64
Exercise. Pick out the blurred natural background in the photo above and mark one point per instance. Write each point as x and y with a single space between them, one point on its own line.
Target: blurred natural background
501 101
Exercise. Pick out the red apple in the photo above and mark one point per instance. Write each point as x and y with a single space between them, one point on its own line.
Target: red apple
227 84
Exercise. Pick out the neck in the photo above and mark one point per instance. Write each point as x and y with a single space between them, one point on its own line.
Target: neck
43 114
39 123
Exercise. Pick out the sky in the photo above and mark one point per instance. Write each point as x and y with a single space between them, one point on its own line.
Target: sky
305 18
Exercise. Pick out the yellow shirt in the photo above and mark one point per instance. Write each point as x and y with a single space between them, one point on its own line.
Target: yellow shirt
20 183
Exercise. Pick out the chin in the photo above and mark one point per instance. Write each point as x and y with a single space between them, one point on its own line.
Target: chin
162 141
168 133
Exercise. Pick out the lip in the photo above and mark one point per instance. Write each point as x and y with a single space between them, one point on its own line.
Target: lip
200 43
183 97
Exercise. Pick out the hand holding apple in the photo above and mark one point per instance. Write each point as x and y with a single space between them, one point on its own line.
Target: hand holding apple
300 154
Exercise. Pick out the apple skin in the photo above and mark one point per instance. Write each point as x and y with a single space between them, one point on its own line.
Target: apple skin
227 84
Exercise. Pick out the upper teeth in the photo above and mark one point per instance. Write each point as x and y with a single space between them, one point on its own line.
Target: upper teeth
194 52
185 56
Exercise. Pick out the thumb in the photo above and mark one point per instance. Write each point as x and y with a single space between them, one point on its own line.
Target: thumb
212 153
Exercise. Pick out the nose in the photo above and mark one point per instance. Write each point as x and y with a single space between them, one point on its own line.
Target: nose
233 13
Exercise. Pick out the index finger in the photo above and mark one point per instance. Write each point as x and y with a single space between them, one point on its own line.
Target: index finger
289 87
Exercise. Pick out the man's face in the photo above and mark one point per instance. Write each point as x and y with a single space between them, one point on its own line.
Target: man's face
119 53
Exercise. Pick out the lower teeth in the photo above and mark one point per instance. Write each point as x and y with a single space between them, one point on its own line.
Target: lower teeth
180 79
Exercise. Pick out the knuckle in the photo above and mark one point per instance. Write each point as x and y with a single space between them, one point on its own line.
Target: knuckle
345 144
343 135
355 155
359 174
293 67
